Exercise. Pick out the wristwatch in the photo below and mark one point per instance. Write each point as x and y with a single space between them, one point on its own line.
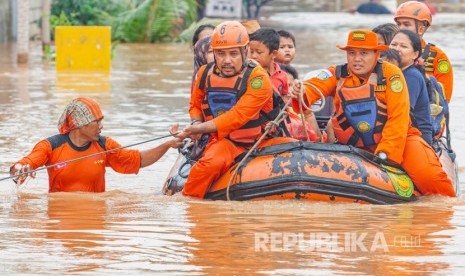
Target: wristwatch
382 155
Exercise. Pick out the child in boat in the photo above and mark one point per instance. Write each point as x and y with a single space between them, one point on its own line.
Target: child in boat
295 126
286 52
264 46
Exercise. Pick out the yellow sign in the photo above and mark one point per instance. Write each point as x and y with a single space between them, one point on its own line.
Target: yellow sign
83 48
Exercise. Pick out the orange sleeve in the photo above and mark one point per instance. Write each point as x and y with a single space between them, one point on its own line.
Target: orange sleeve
197 95
257 97
39 155
396 97
442 71
124 160
326 81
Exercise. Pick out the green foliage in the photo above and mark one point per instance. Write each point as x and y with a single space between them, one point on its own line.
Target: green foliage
131 20
129 26
48 53
168 19
60 20
88 12
188 33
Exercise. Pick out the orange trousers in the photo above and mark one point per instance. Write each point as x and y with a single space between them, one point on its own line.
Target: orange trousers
424 168
218 156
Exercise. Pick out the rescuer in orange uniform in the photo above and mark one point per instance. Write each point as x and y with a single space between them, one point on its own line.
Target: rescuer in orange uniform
80 126
372 111
229 100
416 17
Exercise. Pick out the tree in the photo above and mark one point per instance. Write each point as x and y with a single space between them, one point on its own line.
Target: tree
251 5
23 31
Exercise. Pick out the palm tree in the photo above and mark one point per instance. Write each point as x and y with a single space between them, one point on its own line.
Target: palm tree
23 31
154 20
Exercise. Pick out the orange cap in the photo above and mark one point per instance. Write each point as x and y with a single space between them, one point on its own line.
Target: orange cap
229 34
415 10
363 39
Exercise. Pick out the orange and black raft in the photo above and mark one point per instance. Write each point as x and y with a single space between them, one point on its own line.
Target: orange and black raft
305 171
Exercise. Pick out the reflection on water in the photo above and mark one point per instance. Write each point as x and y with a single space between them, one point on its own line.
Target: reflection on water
132 228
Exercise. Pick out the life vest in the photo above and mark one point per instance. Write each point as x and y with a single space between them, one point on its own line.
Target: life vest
221 94
360 119
438 105
428 57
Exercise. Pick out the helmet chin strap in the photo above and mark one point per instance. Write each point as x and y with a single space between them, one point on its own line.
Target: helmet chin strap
244 51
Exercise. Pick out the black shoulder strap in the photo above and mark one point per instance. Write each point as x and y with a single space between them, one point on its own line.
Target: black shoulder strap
341 71
426 51
205 74
381 80
245 79
102 141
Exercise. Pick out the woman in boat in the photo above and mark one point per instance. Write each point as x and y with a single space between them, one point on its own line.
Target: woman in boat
385 32
203 53
80 126
372 111
408 45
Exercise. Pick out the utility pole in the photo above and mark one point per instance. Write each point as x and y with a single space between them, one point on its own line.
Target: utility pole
22 42
46 24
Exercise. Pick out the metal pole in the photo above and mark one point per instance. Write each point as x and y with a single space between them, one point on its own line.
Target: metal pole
22 44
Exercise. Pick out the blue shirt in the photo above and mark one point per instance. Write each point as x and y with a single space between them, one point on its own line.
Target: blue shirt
419 102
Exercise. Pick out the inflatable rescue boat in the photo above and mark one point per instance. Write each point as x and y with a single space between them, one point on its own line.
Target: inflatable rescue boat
305 171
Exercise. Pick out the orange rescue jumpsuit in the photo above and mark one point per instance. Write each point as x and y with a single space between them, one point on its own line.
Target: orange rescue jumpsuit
400 141
438 65
85 175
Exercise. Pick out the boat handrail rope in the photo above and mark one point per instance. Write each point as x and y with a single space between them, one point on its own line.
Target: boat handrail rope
274 124
302 104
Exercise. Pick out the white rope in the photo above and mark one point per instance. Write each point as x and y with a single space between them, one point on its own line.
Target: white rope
302 104
302 101
271 125
275 123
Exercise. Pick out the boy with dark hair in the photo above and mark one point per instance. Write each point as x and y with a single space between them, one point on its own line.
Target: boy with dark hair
286 52
264 45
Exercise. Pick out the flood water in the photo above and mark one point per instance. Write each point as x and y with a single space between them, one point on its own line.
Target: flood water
132 228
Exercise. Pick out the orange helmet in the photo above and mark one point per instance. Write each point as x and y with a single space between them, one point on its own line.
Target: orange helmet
415 10
229 34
